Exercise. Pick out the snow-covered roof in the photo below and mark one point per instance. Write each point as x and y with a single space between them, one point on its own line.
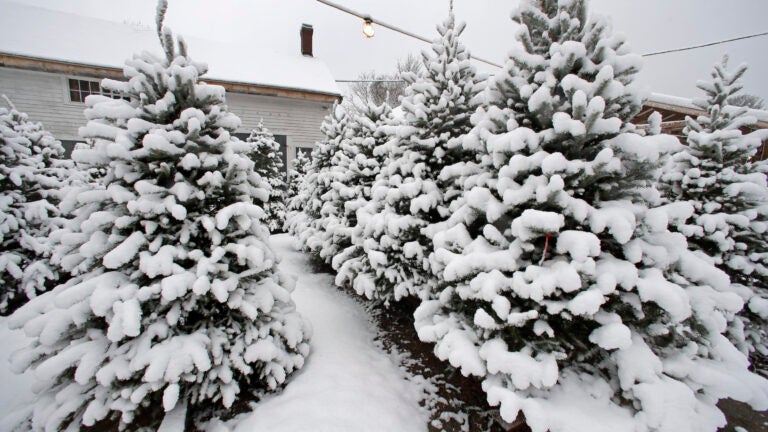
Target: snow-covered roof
52 35
672 100
760 115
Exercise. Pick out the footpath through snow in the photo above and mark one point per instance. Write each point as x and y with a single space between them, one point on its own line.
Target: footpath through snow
347 385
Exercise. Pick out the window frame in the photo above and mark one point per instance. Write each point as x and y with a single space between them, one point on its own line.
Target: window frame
93 87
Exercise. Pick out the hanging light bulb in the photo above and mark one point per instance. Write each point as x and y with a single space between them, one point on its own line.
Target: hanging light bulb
368 30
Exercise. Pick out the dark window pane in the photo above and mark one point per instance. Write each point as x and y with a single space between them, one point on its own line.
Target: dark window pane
68 147
73 84
74 96
306 151
95 89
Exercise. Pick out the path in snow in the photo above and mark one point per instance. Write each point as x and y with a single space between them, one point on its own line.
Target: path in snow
347 384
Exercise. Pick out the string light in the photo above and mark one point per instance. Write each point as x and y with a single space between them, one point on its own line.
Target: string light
368 30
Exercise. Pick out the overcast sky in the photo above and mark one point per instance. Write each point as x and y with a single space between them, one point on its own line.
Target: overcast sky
650 25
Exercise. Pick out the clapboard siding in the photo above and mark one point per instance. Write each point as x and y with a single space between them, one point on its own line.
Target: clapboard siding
44 97
299 120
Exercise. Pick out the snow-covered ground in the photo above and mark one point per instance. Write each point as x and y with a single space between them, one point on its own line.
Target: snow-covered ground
347 384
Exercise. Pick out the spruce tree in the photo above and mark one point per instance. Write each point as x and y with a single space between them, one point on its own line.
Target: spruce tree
176 302
561 285
729 194
268 160
390 247
312 202
356 165
299 168
33 174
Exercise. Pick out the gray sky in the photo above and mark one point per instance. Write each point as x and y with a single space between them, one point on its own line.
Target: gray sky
650 25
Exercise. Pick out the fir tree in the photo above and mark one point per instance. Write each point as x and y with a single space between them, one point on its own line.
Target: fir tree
390 249
299 168
33 174
714 173
560 286
312 204
265 152
176 303
356 165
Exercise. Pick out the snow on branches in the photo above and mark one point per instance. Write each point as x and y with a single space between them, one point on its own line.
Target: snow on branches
33 173
729 197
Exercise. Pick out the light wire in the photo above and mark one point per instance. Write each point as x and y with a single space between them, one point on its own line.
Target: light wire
704 45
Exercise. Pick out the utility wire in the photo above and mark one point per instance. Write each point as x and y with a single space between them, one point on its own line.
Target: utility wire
704 45
394 28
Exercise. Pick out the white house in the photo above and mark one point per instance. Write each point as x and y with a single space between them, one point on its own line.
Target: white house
50 60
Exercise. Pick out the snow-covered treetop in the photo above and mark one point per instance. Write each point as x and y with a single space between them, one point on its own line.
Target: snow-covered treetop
566 59
41 141
720 114
335 124
265 152
447 86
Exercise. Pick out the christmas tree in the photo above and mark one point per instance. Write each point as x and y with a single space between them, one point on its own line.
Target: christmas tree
356 165
33 174
268 160
312 203
561 285
176 304
729 194
299 168
390 248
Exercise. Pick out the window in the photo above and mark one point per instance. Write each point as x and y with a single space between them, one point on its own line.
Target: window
69 146
306 151
79 89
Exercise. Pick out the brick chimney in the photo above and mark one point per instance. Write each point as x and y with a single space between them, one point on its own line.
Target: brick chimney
306 40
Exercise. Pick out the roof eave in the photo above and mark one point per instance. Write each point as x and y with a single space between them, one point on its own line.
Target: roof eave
39 64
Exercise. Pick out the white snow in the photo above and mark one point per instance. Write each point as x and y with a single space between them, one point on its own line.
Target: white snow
99 42
347 384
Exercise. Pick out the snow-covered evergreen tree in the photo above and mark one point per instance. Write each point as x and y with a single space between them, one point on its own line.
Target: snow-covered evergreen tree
33 174
265 152
176 303
560 286
312 203
299 168
729 194
389 248
355 165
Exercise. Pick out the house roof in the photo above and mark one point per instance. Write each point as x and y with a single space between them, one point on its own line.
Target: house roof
80 40
686 106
